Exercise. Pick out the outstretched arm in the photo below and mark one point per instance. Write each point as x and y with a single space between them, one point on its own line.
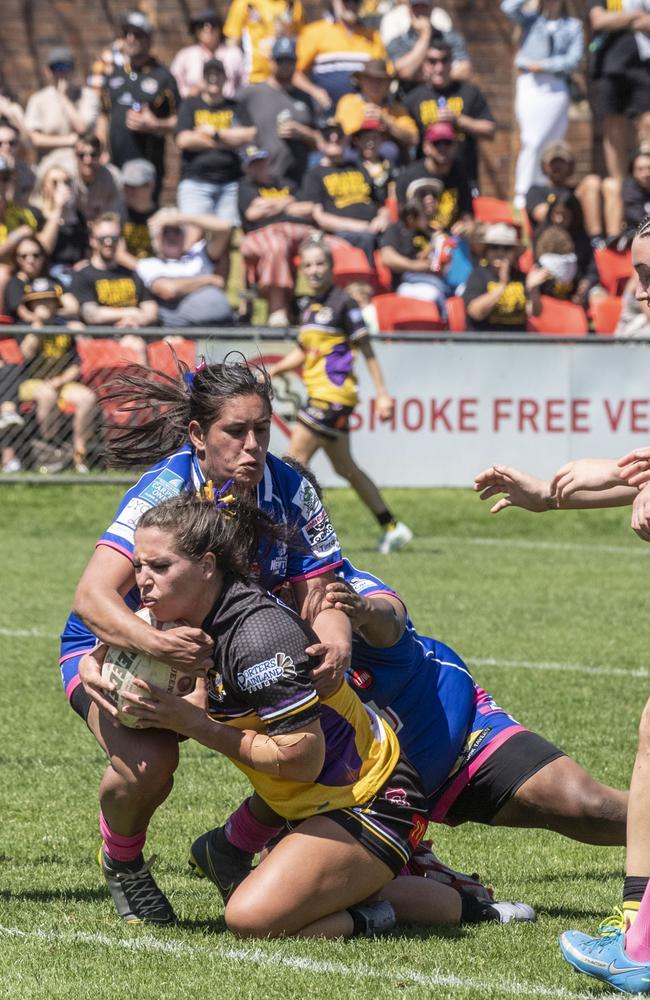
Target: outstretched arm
520 489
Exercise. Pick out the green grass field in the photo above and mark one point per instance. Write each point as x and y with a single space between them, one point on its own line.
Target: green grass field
547 609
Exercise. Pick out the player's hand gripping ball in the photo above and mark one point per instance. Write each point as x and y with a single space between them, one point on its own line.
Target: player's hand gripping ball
122 666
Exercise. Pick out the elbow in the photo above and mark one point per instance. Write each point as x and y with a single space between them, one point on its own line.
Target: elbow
304 761
164 289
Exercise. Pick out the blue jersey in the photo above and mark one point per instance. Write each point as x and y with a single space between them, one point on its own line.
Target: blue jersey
282 493
419 686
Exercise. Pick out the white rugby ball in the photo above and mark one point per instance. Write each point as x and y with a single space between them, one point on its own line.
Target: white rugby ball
122 666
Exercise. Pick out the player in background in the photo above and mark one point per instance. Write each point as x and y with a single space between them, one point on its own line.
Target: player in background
212 425
330 767
476 762
619 954
331 329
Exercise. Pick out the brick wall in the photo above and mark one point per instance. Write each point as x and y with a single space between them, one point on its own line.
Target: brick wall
31 26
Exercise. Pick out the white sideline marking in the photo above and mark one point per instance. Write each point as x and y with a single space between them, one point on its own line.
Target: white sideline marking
576 668
256 956
477 661
524 543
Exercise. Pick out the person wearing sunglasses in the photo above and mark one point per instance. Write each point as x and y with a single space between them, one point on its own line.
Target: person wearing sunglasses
497 295
139 101
31 261
94 186
60 112
108 293
439 98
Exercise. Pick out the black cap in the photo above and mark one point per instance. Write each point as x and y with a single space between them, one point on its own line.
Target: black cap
213 66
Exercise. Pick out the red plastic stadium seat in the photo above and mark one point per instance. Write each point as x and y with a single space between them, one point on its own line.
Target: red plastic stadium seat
526 260
392 205
160 356
396 312
351 264
559 319
10 351
488 209
606 312
456 316
384 276
614 269
100 356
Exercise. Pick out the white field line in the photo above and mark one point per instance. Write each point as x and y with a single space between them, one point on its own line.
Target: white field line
297 963
532 544
476 661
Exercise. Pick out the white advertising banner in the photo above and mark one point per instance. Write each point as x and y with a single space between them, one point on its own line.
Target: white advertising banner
461 405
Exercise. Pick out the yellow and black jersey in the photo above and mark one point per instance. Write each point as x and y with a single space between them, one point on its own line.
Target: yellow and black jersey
343 189
277 187
261 681
216 166
509 313
117 287
330 325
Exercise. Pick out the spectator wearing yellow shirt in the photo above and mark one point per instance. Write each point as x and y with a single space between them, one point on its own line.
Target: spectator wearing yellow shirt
373 101
331 52
255 25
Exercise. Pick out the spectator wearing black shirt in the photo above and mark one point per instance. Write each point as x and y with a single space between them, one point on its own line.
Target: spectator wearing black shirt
460 104
497 295
636 190
275 224
620 74
343 195
283 115
94 185
439 146
209 135
139 101
565 213
558 164
138 185
55 194
408 249
555 251
108 293
30 261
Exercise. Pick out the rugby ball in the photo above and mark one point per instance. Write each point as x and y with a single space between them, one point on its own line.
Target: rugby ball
122 666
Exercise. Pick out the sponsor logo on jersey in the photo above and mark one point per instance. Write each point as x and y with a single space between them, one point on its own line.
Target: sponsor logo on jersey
398 797
359 584
362 679
149 85
167 484
418 829
324 316
263 674
320 534
216 689
132 512
307 499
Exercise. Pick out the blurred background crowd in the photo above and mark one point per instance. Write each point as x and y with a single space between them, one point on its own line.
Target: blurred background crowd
171 183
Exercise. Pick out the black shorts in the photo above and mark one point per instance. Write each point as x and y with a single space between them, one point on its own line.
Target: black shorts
393 822
329 419
81 702
494 784
627 95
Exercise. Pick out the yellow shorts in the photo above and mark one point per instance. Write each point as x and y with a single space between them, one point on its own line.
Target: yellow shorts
28 390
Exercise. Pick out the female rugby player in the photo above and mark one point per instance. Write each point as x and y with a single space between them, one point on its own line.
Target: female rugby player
331 768
214 425
331 328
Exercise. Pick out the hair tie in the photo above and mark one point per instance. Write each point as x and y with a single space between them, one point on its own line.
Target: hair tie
188 377
220 498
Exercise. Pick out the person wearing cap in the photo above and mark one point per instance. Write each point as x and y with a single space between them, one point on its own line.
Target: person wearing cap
343 195
367 143
550 49
182 275
558 164
275 224
209 135
413 27
139 101
52 370
59 113
138 206
439 147
373 100
107 292
331 50
254 25
458 103
497 295
284 115
206 27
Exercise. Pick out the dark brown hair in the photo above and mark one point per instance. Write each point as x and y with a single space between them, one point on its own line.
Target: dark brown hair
160 406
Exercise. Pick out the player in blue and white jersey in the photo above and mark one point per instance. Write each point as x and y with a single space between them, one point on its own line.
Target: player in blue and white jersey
211 426
497 771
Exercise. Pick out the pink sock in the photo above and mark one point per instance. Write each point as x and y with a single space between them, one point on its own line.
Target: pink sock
117 846
637 939
246 832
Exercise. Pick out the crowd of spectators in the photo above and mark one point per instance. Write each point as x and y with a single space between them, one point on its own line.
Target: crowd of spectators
370 134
